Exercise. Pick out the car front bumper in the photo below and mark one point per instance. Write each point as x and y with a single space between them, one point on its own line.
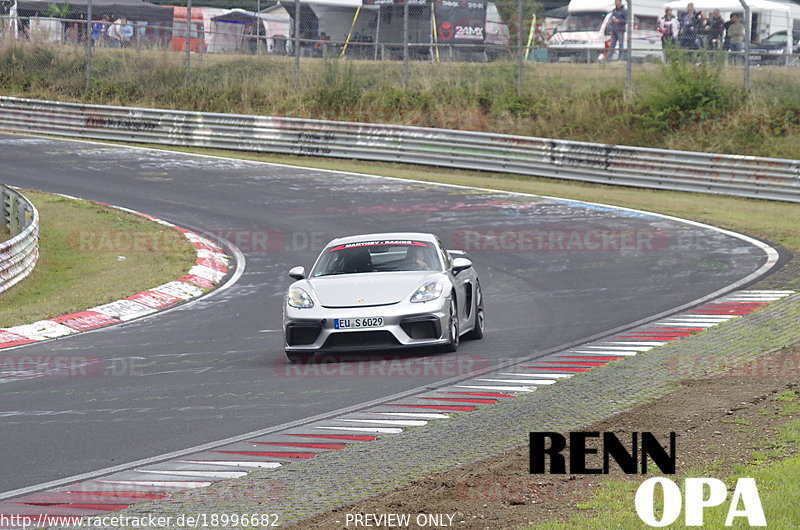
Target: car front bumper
405 325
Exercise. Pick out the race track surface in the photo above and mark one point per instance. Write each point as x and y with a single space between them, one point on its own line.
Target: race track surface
553 272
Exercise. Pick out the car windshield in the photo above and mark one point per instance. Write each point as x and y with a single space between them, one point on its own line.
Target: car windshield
776 38
583 22
377 256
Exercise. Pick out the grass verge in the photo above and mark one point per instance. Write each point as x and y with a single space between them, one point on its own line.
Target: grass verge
92 254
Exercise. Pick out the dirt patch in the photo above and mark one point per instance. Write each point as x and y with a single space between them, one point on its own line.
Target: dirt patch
719 421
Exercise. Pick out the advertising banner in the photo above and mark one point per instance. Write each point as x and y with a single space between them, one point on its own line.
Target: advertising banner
460 22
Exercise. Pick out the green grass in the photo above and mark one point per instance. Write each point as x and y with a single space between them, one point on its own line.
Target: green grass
81 267
612 506
679 106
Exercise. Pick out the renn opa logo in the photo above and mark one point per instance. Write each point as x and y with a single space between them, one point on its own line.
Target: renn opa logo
632 457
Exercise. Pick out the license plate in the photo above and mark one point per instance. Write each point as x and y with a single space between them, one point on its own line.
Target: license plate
353 323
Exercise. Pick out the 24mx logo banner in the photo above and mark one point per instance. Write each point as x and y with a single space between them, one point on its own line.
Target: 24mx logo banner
459 21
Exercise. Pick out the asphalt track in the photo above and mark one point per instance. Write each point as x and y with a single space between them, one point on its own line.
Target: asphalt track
215 368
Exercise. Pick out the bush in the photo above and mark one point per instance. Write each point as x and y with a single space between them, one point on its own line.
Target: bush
686 94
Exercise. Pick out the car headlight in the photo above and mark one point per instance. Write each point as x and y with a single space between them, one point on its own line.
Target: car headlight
427 292
297 297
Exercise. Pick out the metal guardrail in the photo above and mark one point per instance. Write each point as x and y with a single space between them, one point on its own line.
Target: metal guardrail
746 176
18 255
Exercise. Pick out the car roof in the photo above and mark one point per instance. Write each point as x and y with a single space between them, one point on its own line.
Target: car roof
416 236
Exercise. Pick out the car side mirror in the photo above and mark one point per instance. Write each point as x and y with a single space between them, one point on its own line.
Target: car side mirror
460 264
298 273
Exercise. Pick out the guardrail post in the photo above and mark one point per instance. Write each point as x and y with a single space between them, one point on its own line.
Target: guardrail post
13 215
6 208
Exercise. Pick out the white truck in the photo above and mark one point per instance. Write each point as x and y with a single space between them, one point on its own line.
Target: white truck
584 35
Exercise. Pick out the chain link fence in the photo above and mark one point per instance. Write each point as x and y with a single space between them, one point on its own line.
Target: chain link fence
392 59
581 31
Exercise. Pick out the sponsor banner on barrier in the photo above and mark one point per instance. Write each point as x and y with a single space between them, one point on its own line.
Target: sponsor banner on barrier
86 320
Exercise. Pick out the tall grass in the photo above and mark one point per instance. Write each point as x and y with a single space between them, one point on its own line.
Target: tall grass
678 105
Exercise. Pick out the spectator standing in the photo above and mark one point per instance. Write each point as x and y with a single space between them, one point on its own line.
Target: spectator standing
736 33
619 19
114 33
716 29
688 31
98 31
669 27
703 27
127 33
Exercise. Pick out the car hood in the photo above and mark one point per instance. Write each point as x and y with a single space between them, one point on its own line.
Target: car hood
367 289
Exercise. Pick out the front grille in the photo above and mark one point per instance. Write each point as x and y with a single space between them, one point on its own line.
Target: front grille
421 329
302 334
360 339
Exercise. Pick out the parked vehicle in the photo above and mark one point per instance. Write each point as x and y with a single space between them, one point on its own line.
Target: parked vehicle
773 50
584 34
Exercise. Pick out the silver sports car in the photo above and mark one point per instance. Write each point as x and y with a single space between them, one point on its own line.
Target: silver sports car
381 291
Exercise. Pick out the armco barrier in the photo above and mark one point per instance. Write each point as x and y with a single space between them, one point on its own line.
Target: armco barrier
747 176
19 254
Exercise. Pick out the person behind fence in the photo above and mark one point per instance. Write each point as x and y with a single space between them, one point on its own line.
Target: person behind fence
127 32
736 33
616 26
114 33
668 26
98 31
703 26
716 29
688 31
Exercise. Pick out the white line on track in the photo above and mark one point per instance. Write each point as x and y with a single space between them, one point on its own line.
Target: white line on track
234 463
384 430
198 474
503 388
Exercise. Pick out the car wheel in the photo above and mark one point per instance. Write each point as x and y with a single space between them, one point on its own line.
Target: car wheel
480 320
296 357
452 325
